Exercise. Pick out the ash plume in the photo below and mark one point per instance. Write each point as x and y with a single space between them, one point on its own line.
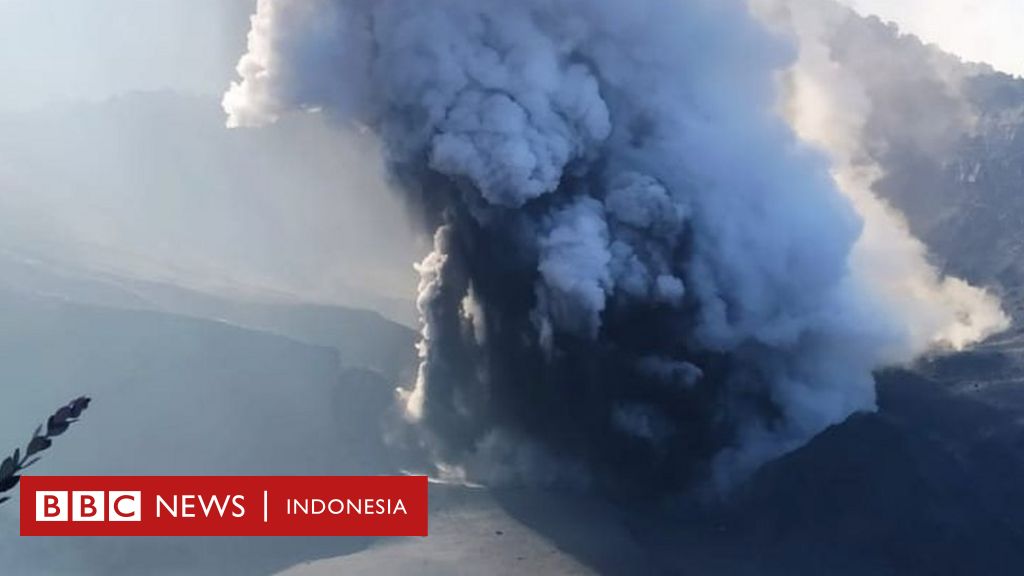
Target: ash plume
641 277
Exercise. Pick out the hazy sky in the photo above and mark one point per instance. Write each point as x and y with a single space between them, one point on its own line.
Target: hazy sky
66 50
74 49
978 30
113 149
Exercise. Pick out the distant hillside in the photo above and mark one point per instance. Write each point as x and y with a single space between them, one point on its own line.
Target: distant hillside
182 395
361 338
969 205
188 382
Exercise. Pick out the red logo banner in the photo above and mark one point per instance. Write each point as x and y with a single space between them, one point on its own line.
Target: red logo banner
224 506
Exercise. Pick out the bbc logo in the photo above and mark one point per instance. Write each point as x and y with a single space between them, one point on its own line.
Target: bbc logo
88 506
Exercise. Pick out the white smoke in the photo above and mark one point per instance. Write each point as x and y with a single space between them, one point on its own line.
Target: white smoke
627 160
829 107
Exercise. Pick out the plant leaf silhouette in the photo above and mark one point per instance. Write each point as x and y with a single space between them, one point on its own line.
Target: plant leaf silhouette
8 467
56 424
37 445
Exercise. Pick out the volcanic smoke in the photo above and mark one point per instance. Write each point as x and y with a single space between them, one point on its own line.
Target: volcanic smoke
641 277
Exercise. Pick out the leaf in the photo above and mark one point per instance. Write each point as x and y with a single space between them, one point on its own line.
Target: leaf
37 445
78 405
63 413
8 468
56 425
8 483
